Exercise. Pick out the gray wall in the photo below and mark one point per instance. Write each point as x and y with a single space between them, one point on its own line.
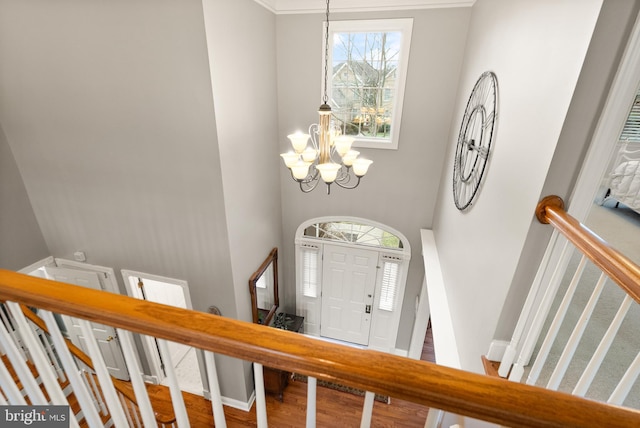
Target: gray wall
537 50
22 242
401 186
108 109
605 51
241 42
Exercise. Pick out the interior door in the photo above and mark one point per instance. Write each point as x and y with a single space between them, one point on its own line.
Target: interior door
105 335
348 283
168 294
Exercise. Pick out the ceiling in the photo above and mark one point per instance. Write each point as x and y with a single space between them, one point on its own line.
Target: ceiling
317 6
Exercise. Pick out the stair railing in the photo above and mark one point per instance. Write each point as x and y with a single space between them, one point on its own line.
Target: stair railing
85 367
609 264
474 395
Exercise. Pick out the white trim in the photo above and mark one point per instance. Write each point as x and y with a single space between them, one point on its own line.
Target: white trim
497 348
405 27
111 284
284 7
406 246
444 338
614 115
28 270
422 315
150 350
240 405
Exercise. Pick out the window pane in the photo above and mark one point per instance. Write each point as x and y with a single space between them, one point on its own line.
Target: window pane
310 272
389 286
354 233
368 67
364 78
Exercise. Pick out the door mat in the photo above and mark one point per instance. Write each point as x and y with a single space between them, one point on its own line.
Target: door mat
341 388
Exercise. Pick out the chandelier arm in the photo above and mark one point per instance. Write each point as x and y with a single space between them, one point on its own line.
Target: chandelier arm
308 186
345 186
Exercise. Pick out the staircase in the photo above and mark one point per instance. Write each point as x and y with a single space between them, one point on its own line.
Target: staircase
59 368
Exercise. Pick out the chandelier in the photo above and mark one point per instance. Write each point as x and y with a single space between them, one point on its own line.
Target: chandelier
329 156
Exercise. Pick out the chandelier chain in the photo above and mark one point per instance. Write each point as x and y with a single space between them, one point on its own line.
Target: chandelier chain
325 98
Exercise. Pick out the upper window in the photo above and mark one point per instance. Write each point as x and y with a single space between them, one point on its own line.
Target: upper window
368 65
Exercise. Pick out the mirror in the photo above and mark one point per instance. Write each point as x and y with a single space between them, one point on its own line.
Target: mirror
263 286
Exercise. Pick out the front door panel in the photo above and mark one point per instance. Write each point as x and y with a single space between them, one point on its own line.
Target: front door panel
348 283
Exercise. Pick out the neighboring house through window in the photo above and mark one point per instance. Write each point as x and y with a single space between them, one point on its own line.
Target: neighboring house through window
368 65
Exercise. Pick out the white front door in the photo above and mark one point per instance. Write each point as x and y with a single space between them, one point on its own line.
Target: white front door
348 284
105 335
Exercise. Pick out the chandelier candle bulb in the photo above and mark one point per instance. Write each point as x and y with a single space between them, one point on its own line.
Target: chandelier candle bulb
343 144
309 154
299 141
300 170
328 171
349 157
361 166
290 159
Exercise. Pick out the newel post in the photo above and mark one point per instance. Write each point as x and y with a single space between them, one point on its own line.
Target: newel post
548 202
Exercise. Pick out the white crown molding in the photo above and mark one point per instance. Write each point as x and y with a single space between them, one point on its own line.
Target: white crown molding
319 6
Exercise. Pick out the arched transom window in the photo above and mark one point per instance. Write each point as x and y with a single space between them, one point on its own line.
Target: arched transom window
353 232
362 266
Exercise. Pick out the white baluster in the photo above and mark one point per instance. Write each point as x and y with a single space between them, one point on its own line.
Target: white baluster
261 401
596 360
541 315
12 332
139 388
87 375
554 328
80 389
9 386
510 353
29 383
367 410
312 383
214 389
626 383
176 394
40 360
576 335
127 412
106 384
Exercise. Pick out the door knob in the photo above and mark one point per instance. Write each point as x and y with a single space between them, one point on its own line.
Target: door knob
109 339
368 309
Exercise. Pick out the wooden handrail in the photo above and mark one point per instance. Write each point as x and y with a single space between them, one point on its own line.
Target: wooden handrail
620 269
478 396
123 387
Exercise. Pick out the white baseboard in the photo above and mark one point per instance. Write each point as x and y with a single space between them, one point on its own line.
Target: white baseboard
496 350
240 405
400 352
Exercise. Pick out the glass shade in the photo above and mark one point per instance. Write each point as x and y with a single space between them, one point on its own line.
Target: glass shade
300 170
309 154
290 158
343 144
361 166
298 141
349 157
328 171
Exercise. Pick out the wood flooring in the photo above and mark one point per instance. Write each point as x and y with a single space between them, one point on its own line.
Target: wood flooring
334 408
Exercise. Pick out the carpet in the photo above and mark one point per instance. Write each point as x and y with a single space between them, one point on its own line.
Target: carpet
620 227
341 388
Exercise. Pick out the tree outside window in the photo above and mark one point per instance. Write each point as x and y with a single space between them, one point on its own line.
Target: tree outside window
368 68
